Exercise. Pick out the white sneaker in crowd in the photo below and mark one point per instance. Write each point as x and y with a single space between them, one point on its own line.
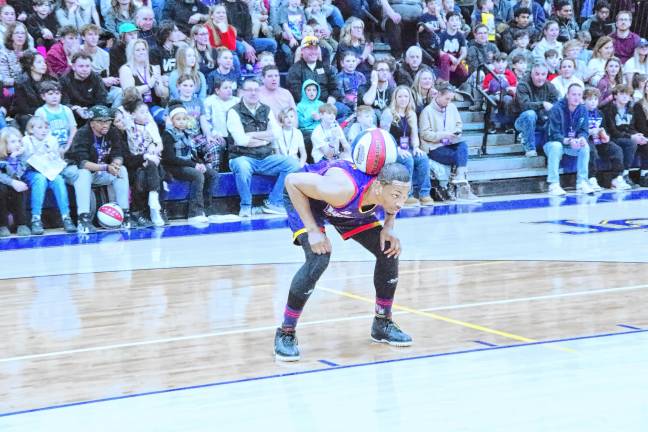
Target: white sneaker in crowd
619 183
556 190
595 185
584 188
200 219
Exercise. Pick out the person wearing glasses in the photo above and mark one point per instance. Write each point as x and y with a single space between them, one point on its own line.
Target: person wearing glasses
625 41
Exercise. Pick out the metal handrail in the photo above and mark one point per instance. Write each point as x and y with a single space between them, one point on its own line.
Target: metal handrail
490 104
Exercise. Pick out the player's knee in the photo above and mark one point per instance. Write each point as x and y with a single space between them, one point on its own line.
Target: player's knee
317 264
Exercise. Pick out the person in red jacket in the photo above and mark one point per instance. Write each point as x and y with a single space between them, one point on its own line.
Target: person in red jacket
221 33
58 56
501 84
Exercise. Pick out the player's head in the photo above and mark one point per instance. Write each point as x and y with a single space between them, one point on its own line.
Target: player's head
394 185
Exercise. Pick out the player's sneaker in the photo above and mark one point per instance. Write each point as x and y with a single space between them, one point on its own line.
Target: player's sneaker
285 346
384 330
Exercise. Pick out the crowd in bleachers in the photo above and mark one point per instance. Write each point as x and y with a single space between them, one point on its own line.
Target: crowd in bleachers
135 94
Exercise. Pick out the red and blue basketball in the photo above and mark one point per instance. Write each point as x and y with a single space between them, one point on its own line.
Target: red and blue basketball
372 149
110 216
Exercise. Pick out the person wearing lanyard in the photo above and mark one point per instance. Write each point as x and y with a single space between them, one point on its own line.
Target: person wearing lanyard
567 132
401 122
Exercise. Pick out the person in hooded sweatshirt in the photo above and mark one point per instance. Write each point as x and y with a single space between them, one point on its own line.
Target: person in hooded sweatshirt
308 115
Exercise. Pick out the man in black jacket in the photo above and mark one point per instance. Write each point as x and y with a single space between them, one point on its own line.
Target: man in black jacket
185 13
310 67
82 88
97 152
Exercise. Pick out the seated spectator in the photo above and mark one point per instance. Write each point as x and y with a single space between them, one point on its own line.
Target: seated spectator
224 69
534 98
450 6
60 118
216 107
553 63
293 20
101 63
71 13
42 24
139 73
572 50
640 124
308 114
350 80
401 122
309 67
271 94
82 88
565 19
41 152
549 40
264 59
97 152
365 119
260 19
601 147
585 40
501 85
291 141
181 159
254 128
407 69
169 39
400 24
429 27
480 52
15 44
238 14
328 140
122 11
185 13
566 77
352 38
118 56
142 158
602 52
7 18
618 121
378 91
423 89
145 22
638 83
519 66
440 129
221 33
453 52
27 95
13 191
599 24
483 15
521 43
206 54
538 16
638 63
187 64
521 22
319 12
613 77
568 133
625 41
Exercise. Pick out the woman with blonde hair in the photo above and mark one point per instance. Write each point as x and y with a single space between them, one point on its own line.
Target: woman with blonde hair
187 64
602 52
221 33
423 88
401 121
638 63
199 37
352 38
138 72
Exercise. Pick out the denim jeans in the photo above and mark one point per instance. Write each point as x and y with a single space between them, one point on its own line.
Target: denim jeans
419 169
259 45
86 179
39 184
336 19
3 121
453 154
244 167
200 188
554 152
526 124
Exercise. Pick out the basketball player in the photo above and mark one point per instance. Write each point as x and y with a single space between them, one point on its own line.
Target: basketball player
348 199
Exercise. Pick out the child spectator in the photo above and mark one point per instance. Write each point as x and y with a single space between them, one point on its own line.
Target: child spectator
308 109
365 119
572 50
431 23
260 16
13 191
549 40
182 161
521 43
291 141
224 70
318 12
60 118
520 66
553 61
264 58
566 77
187 64
293 20
45 164
42 24
501 84
328 139
638 84
585 40
613 76
453 52
484 15
349 79
601 148
216 107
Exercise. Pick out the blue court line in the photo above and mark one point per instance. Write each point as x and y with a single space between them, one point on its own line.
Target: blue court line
629 327
488 344
311 371
328 363
57 240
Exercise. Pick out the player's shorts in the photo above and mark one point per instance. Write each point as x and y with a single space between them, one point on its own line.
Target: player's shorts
347 227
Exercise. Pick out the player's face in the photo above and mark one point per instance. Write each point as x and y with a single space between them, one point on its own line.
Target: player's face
393 196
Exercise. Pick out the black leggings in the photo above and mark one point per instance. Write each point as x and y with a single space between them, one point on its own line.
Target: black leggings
14 202
609 151
385 271
146 179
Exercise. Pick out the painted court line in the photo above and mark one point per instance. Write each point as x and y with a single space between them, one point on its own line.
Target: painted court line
312 371
308 323
628 327
488 344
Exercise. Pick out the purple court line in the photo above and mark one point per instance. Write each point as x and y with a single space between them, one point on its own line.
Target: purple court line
311 371
488 344
629 327
328 363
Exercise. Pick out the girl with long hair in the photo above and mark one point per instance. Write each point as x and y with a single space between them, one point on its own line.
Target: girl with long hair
187 64
423 88
613 76
352 38
602 52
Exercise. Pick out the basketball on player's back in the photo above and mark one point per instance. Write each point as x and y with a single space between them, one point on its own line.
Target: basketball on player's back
110 215
372 149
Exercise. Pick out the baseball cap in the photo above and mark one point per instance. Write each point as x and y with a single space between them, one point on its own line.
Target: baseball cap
643 42
309 41
127 27
100 112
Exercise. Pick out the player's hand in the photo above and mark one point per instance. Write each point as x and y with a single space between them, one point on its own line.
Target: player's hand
319 243
394 249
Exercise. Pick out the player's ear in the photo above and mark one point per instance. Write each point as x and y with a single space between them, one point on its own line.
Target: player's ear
379 188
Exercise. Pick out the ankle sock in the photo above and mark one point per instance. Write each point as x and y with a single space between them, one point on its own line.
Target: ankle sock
384 307
291 316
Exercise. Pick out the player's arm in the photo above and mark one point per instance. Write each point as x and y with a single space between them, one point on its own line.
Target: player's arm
334 188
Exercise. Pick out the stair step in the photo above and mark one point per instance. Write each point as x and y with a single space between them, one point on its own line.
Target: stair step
500 163
474 139
505 149
473 126
469 116
505 174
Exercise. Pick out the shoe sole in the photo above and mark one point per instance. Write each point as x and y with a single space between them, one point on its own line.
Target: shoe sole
396 344
286 359
274 212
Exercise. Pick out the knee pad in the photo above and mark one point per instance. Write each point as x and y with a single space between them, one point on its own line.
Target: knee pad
317 264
